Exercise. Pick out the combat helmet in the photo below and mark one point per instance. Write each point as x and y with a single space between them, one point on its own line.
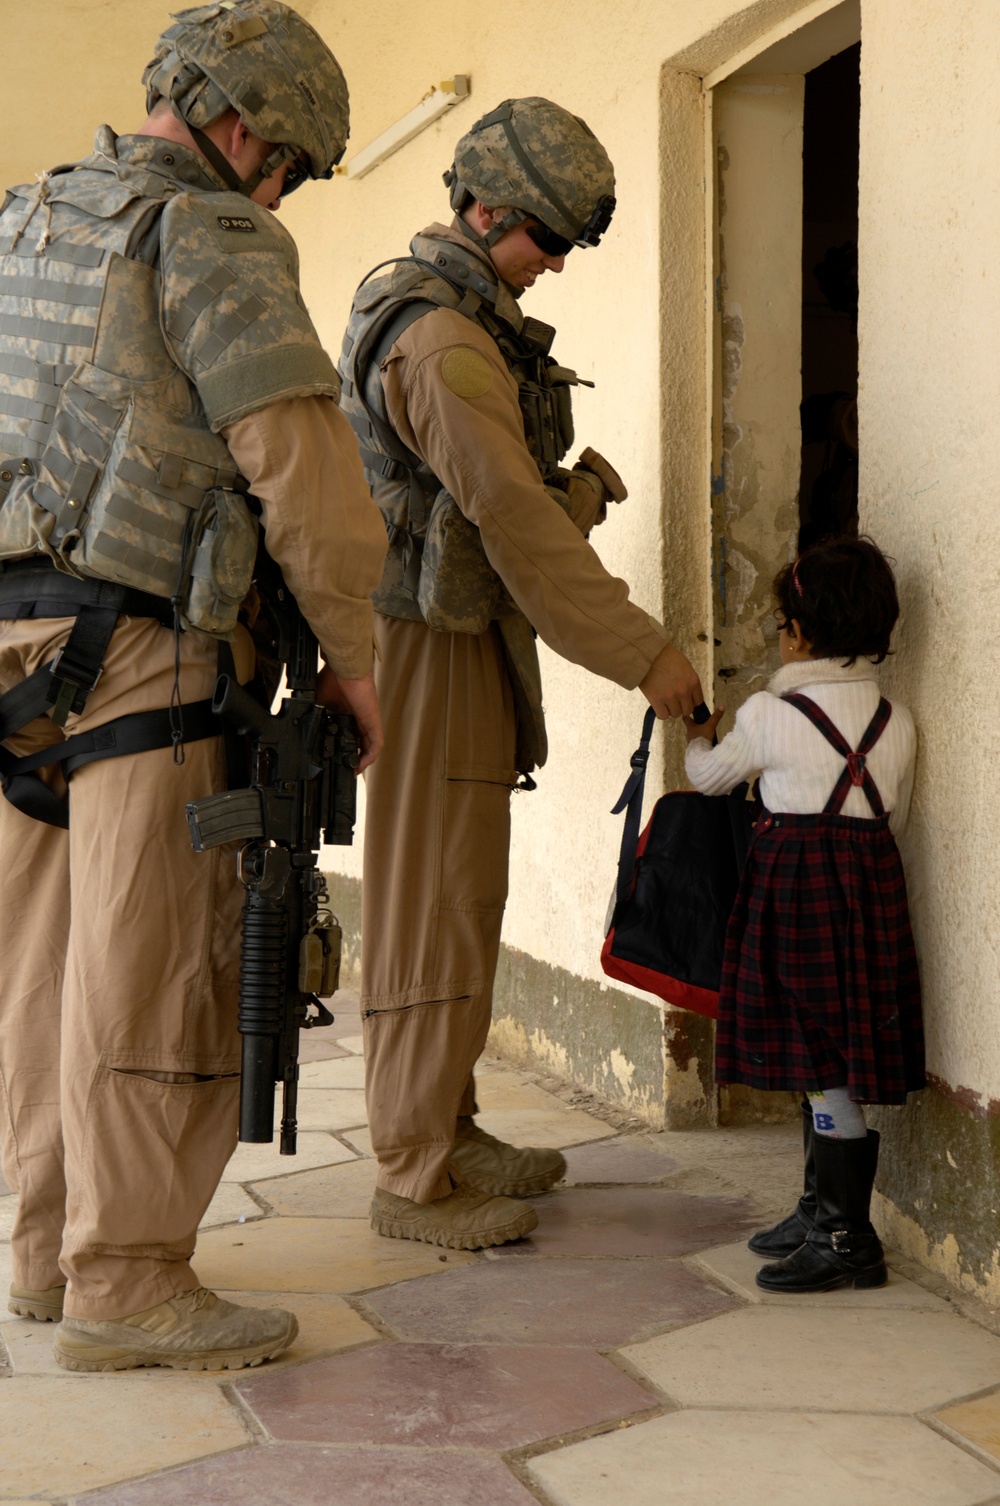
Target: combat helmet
263 60
538 159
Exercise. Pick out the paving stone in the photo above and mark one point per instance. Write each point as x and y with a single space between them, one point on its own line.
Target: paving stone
629 1158
229 1205
8 1208
29 1346
345 1072
286 1474
355 1044
843 1359
977 1422
737 1268
557 1126
330 1108
319 1046
437 1396
327 1324
622 1221
718 1458
360 1140
506 1089
314 1255
252 1163
64 1436
598 1303
329 1192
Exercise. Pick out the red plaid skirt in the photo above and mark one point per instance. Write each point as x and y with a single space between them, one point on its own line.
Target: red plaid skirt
820 986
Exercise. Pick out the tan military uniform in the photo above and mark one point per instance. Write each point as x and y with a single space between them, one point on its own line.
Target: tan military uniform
119 1054
438 821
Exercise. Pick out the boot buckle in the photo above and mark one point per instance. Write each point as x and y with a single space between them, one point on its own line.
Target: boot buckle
840 1241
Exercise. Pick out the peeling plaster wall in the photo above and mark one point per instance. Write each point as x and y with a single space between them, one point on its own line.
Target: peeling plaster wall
930 395
758 125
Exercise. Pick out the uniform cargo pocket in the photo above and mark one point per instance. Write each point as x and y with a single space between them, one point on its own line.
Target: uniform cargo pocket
153 1154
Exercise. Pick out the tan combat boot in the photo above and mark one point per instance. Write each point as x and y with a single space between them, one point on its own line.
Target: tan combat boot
44 1306
491 1165
195 1331
464 1220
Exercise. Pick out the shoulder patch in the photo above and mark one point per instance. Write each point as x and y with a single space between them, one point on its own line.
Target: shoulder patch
466 372
237 222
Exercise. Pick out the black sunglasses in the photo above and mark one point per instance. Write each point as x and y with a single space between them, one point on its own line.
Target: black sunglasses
298 172
546 240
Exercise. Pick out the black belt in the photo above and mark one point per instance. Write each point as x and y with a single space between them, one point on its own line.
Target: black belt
35 588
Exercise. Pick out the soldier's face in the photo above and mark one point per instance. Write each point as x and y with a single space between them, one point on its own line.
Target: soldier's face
519 261
268 193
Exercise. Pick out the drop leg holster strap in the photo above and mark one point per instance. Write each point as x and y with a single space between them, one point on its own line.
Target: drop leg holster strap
62 686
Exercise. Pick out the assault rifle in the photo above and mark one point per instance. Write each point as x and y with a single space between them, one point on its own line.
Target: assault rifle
302 791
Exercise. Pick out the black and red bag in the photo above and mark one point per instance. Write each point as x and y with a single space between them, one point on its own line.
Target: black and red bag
676 885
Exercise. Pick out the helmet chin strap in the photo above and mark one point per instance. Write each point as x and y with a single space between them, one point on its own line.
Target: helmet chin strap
225 168
212 154
510 220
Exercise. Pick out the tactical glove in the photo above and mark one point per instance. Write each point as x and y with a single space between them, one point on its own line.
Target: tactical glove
585 491
613 486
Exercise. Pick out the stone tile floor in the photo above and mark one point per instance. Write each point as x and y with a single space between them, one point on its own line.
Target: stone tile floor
622 1352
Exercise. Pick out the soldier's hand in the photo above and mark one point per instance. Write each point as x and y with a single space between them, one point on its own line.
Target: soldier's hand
670 684
614 487
359 698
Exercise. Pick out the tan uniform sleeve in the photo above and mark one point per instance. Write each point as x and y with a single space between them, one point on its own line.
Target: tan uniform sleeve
475 445
321 525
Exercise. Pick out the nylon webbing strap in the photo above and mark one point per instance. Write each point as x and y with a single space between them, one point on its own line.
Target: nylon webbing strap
76 669
34 588
856 772
62 685
140 732
630 801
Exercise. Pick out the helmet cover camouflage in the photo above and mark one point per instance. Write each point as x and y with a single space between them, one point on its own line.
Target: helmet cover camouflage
535 157
263 60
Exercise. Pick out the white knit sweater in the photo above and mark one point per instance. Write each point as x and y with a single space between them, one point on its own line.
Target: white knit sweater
798 768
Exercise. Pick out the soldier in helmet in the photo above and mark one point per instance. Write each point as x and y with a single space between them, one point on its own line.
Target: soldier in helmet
157 369
463 418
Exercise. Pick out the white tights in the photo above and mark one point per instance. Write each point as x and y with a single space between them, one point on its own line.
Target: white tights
837 1116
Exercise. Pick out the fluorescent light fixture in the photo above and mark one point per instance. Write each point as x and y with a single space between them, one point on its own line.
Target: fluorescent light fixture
438 99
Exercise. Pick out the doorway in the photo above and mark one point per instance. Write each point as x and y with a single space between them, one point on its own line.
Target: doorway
784 131
828 485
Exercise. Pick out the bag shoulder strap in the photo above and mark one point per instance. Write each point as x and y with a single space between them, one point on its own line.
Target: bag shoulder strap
630 801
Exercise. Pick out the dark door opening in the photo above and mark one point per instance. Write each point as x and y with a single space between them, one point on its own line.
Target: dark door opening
828 490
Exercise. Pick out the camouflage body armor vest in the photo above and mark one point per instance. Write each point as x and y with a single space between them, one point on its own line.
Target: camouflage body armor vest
436 570
108 466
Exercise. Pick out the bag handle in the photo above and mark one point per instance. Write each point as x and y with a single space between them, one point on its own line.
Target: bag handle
630 801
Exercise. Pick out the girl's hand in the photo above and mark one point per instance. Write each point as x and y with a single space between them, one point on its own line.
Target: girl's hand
704 729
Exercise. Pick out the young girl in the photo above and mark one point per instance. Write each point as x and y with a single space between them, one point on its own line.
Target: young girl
820 991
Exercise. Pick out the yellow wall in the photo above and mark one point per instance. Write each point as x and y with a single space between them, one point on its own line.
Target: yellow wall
632 316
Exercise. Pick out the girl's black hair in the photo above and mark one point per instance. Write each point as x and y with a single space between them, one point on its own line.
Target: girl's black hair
842 593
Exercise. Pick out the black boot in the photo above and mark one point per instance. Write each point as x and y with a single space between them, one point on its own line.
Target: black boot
842 1247
785 1238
